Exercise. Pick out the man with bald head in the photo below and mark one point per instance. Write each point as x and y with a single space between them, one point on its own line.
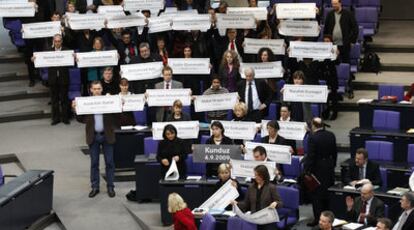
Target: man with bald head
366 209
320 161
256 94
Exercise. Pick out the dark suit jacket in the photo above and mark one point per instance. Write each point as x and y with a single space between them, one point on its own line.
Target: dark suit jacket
82 4
409 223
372 173
110 124
263 90
321 157
58 75
348 24
269 195
376 210
281 141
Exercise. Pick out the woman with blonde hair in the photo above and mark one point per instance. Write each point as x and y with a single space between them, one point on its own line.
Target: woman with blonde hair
183 218
229 70
240 111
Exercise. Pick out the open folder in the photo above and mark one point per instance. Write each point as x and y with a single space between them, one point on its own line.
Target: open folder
172 173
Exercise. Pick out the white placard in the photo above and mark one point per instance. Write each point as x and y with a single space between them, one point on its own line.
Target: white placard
263 70
276 153
226 21
86 21
315 50
166 97
192 22
96 59
291 130
253 45
239 130
263 3
295 10
259 13
133 102
305 93
264 216
142 71
197 66
221 198
54 58
111 10
98 105
19 9
215 102
125 21
159 24
299 28
185 129
134 5
41 29
172 174
243 168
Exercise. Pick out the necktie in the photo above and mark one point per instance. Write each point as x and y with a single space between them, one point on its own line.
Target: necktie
232 45
167 85
250 97
361 173
131 50
127 59
361 220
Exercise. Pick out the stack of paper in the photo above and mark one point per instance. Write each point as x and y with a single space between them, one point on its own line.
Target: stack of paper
352 226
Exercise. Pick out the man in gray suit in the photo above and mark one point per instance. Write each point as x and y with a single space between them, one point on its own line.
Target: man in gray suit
167 83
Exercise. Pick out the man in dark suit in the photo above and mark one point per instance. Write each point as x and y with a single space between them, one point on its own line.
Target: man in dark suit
256 94
58 78
84 6
362 168
406 220
366 209
320 161
167 83
100 133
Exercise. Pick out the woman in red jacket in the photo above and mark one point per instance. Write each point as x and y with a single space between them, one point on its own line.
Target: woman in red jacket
182 216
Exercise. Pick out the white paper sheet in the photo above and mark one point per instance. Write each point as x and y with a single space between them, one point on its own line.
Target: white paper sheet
299 28
253 45
215 102
96 59
125 21
18 9
192 22
264 216
98 105
259 13
142 71
244 168
240 130
225 21
172 173
54 58
314 50
134 5
263 70
111 10
276 153
296 10
305 93
185 129
221 198
86 21
134 102
41 29
159 24
196 66
166 97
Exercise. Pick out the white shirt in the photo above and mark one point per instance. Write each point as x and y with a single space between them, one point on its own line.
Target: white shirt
287 119
256 100
397 225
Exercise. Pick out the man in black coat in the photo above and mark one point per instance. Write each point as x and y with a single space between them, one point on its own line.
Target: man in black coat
83 7
320 161
366 209
58 78
406 220
256 94
362 168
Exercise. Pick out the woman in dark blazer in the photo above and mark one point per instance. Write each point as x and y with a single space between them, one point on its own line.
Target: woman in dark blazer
274 138
171 148
217 138
177 113
261 194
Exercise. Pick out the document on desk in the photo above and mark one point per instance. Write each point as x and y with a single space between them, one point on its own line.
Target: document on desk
243 168
352 226
222 198
276 153
172 173
264 216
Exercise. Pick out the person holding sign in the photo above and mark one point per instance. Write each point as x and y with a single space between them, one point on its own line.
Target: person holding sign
266 55
256 94
172 147
177 113
183 218
240 112
224 174
261 194
168 83
126 118
320 161
217 138
274 138
260 154
285 111
229 70
100 134
216 88
109 84
95 73
59 86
